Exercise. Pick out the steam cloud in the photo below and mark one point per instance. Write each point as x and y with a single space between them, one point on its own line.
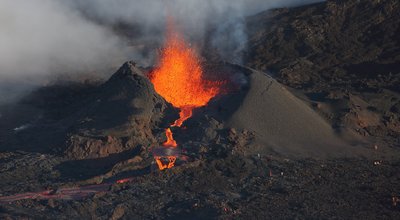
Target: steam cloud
43 39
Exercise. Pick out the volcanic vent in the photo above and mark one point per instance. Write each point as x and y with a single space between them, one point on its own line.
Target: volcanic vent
179 79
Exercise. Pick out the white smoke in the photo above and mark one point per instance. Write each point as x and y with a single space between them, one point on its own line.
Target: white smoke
195 17
38 37
41 39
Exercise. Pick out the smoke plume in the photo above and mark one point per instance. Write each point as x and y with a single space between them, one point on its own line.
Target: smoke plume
41 40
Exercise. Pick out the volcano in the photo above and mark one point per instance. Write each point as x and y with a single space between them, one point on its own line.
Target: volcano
278 121
306 128
116 136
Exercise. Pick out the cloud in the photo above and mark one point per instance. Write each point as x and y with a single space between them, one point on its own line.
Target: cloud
195 17
43 39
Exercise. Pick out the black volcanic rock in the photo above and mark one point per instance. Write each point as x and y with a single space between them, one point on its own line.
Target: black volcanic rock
119 117
339 53
326 34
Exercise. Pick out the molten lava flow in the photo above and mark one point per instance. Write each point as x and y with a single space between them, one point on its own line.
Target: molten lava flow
170 140
179 79
185 113
162 166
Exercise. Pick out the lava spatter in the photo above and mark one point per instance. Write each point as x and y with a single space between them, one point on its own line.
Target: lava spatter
179 80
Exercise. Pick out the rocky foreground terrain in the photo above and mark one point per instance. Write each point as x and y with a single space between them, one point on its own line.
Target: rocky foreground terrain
341 58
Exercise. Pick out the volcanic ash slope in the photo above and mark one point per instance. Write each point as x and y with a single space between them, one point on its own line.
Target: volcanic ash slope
119 117
285 124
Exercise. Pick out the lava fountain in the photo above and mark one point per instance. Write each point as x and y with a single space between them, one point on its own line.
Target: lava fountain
179 79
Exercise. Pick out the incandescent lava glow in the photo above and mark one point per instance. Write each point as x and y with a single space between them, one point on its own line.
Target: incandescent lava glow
170 140
179 80
179 76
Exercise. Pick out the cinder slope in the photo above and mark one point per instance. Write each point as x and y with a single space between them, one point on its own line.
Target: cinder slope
337 52
284 124
119 117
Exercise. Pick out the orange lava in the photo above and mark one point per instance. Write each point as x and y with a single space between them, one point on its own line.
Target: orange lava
179 76
162 166
170 140
185 113
179 79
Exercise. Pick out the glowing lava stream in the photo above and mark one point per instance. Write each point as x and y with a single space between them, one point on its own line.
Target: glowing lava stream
179 79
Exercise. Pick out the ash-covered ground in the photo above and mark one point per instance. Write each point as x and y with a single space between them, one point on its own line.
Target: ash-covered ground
315 138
